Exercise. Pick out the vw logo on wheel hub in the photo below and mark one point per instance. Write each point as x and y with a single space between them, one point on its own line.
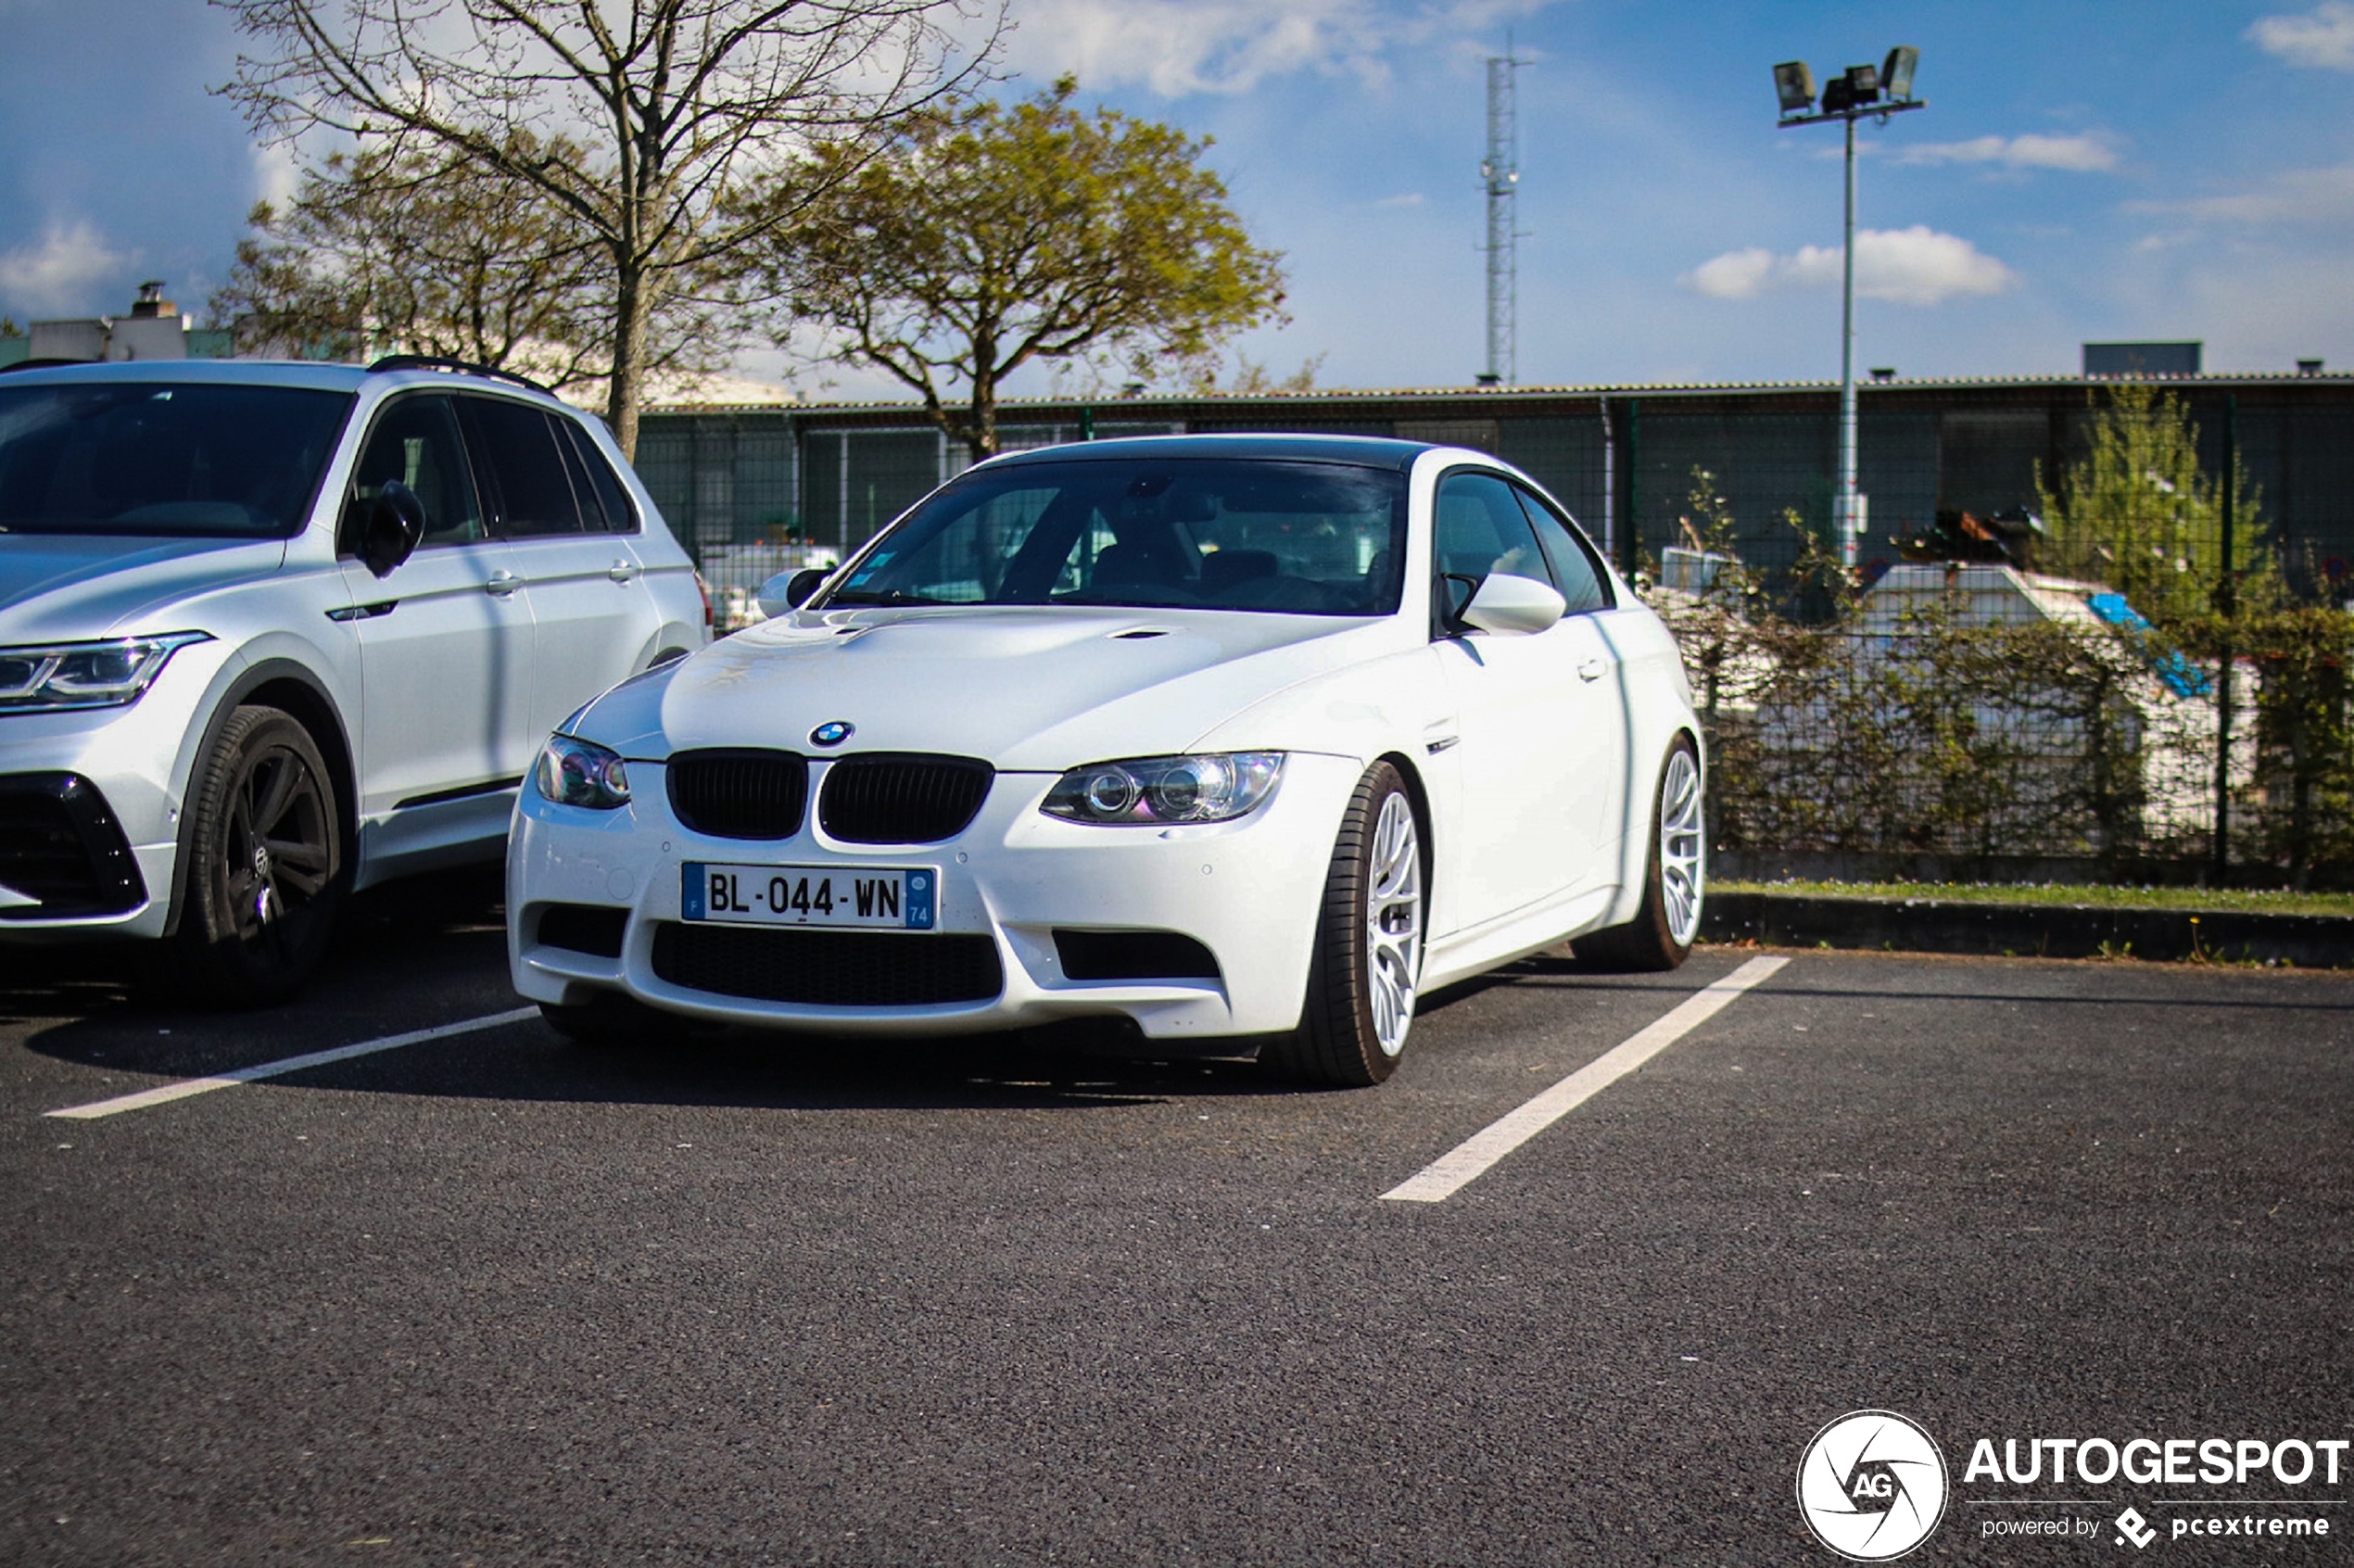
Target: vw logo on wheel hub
833 732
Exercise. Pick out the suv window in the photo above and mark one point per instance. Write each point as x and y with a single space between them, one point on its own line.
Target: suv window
517 455
415 441
594 480
1574 574
171 459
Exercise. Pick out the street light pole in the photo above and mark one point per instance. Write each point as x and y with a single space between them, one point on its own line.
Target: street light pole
1844 507
1859 91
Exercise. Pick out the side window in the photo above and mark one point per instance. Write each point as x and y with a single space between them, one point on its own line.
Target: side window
1481 529
599 488
1574 574
517 453
415 441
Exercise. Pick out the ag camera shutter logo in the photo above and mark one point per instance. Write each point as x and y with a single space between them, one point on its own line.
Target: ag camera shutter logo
1872 1486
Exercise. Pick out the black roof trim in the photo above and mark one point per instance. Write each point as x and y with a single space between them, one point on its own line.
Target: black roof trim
460 367
1362 451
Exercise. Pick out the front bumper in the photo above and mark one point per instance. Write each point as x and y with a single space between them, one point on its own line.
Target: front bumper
1247 890
104 775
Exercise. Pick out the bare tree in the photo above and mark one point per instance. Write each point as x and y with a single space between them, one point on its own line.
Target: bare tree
377 252
637 117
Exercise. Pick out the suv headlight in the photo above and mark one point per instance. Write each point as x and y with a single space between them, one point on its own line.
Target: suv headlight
581 773
1146 791
85 674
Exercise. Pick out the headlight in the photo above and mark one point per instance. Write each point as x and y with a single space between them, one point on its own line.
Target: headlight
1215 787
581 773
85 674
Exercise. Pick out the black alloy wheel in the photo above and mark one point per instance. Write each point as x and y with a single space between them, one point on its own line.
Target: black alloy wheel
265 877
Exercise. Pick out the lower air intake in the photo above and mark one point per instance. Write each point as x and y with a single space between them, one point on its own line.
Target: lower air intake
821 968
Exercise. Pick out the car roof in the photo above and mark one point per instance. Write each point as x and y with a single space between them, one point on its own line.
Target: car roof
1366 451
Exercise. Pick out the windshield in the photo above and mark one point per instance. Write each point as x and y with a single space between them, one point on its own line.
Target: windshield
136 458
1305 538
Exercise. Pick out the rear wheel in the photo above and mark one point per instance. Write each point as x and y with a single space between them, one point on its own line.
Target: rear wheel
1368 945
264 880
1662 932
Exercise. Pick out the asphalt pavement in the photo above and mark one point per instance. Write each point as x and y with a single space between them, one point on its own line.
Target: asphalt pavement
492 1299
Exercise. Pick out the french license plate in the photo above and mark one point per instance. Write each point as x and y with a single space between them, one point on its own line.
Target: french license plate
900 898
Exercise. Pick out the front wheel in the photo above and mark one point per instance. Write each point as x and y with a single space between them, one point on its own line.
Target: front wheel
265 875
1368 945
1662 932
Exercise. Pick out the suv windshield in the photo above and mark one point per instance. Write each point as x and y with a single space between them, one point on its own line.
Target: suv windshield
178 459
1306 539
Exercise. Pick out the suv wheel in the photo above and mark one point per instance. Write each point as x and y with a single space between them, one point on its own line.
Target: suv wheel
264 877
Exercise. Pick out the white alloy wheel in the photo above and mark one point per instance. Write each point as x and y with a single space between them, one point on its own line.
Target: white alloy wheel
1682 851
1394 923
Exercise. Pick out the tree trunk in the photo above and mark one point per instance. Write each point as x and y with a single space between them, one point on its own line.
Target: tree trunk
626 389
980 424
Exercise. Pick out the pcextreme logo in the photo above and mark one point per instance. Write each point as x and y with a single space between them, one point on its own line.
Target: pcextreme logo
1872 1486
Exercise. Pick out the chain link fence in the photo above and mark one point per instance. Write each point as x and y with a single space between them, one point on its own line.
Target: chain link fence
2042 667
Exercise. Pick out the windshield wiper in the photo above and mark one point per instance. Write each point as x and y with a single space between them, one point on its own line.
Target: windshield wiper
881 596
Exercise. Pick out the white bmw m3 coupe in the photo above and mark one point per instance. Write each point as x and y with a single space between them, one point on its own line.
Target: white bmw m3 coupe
1247 740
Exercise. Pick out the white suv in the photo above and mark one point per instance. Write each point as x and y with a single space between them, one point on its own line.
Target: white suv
270 633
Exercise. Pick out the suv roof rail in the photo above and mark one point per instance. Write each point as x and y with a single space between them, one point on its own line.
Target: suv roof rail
41 364
464 367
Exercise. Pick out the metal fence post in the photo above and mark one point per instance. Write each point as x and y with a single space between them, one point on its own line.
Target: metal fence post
2226 603
1630 531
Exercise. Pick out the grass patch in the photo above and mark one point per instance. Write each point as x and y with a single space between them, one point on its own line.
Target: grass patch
2060 894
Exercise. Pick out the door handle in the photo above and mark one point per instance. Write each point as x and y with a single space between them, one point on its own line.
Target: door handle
501 583
623 571
1593 669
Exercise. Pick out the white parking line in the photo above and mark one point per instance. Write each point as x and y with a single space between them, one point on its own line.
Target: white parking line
1463 1164
164 1094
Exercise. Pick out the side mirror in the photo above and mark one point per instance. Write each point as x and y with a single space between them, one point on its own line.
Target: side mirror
1507 605
390 525
788 591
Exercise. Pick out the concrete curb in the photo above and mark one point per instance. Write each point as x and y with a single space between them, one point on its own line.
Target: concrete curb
2058 930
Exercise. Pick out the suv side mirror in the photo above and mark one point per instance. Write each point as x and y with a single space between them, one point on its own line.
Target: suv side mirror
391 524
786 592
1505 603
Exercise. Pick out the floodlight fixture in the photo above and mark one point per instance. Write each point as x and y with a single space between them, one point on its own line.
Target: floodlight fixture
1794 82
1860 91
1896 72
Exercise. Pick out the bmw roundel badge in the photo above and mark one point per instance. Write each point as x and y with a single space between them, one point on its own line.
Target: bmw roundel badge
833 732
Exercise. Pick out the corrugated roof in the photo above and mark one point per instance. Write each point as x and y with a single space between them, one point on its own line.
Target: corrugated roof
1518 394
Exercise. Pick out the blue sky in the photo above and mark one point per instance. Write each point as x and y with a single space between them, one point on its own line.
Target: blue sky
2158 168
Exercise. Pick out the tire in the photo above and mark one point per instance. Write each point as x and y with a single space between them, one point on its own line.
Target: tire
1368 945
265 879
1662 933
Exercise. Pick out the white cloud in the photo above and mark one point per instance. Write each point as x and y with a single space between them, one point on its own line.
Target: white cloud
62 271
1914 266
277 175
1178 47
2080 154
2303 197
2323 36
1407 199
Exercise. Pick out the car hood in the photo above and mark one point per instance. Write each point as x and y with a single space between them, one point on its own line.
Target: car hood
1028 689
65 587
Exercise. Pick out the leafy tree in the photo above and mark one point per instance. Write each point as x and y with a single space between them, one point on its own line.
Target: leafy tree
387 252
2138 511
995 235
638 117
